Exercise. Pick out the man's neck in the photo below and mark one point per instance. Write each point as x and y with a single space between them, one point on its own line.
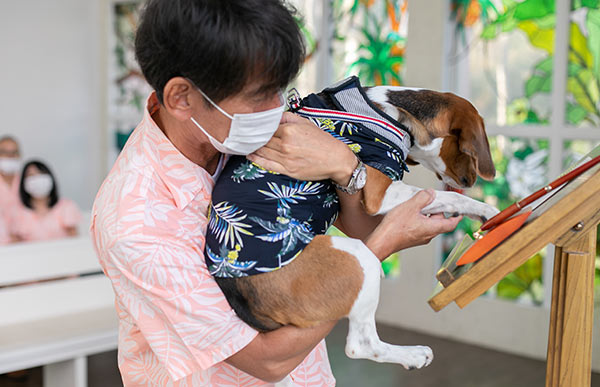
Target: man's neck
8 179
204 154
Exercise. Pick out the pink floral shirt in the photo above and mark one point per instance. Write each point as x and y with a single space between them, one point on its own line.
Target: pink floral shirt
4 236
148 225
9 195
27 225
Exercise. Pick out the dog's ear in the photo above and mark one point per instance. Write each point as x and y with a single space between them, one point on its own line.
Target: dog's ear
416 127
473 142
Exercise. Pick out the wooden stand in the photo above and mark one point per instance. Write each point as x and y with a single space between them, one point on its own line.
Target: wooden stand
569 222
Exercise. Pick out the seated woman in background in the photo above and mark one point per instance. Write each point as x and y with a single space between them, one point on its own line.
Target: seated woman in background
4 235
42 214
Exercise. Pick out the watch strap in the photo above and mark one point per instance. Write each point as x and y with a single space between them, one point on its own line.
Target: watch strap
351 188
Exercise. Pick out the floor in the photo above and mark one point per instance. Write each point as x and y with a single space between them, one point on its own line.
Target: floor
455 365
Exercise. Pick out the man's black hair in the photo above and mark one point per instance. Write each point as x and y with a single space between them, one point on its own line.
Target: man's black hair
43 168
220 45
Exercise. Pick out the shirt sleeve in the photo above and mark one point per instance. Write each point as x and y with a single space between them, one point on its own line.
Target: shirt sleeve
4 235
176 304
70 215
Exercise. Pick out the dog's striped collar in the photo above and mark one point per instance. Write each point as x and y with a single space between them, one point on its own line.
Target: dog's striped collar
348 117
354 106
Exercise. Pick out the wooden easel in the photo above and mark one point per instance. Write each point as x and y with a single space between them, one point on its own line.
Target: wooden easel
570 223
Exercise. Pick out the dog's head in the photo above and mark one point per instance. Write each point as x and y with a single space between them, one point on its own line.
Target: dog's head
449 134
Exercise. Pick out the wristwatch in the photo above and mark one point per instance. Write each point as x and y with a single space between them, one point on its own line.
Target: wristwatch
357 180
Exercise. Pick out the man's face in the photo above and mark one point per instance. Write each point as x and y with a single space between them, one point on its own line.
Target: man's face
9 149
250 100
9 158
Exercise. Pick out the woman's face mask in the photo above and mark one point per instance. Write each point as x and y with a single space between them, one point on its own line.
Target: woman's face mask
10 165
38 186
247 132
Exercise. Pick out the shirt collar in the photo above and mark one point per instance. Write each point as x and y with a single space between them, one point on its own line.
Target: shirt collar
182 177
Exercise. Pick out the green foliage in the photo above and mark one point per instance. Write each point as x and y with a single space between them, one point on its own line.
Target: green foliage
378 64
381 50
311 43
526 280
537 19
466 12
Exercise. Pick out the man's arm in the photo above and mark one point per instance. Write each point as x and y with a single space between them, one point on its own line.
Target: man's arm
273 355
403 227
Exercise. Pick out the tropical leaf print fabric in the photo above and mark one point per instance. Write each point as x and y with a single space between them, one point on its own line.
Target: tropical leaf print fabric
260 221
274 217
148 225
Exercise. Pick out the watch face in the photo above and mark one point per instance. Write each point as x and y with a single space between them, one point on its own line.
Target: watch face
361 178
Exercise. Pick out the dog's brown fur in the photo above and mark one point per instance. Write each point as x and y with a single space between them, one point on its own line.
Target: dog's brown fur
374 190
302 293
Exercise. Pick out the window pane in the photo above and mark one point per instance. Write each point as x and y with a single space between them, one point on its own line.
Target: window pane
583 74
521 169
504 60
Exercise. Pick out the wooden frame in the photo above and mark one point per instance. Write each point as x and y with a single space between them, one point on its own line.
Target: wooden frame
570 224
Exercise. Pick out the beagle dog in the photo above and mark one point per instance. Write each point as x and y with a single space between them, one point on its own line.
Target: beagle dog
265 243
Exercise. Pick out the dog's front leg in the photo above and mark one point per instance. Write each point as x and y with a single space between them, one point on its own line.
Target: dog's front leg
445 201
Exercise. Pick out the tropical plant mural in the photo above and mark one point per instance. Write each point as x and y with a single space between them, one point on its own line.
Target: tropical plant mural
466 13
521 163
537 19
370 39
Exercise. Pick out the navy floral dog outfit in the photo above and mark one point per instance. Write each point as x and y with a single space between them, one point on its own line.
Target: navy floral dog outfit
259 221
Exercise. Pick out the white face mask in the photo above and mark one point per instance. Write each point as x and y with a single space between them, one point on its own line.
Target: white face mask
248 131
38 186
9 166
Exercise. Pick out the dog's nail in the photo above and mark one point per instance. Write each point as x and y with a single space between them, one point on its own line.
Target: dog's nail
411 368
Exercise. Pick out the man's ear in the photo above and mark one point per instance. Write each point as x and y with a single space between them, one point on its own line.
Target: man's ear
178 97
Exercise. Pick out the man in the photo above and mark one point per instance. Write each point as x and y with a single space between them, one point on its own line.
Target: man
10 166
150 215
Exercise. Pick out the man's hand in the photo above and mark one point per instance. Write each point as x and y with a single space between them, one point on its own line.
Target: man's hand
405 226
303 151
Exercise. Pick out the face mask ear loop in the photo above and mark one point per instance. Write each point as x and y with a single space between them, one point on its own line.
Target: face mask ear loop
214 104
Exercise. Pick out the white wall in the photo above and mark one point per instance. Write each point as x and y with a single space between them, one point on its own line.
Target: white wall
50 73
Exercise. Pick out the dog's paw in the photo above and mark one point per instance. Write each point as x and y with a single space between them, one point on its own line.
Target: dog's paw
417 357
484 212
